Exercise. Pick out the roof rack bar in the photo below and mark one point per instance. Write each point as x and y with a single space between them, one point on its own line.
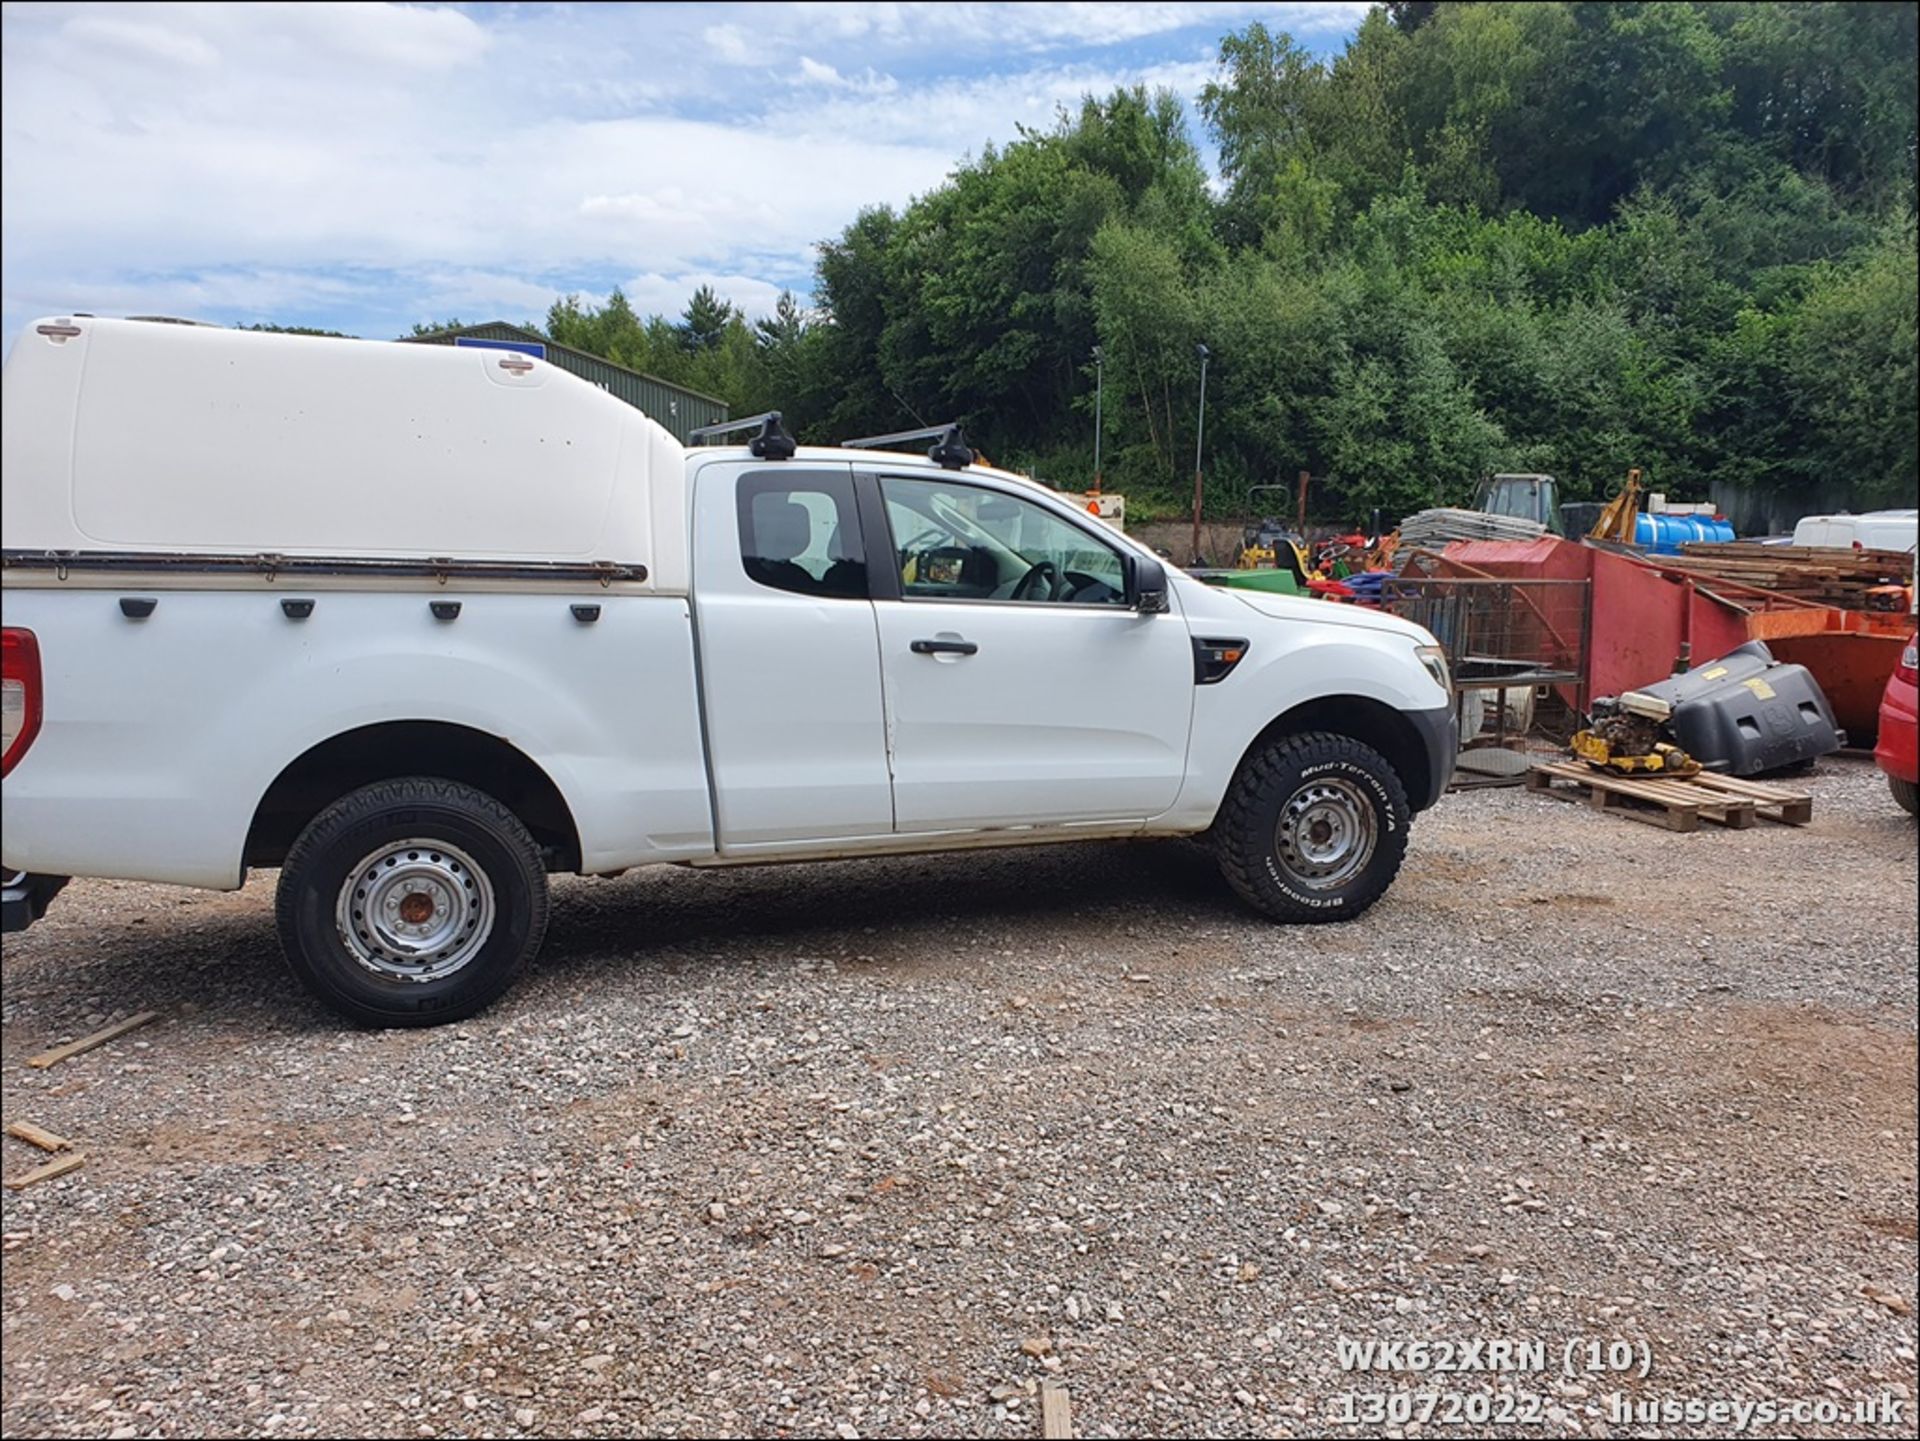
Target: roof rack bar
727 427
879 442
949 449
772 443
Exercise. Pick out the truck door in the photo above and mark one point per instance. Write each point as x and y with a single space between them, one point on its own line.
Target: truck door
789 658
1021 688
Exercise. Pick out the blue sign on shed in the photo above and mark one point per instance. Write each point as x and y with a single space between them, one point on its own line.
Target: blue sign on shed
534 348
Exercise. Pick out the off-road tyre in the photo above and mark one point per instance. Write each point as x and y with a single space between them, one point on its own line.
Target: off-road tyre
1288 773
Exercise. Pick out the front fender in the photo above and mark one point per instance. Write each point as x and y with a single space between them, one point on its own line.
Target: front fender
1291 664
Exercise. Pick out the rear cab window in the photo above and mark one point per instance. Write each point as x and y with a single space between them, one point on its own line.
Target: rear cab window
800 532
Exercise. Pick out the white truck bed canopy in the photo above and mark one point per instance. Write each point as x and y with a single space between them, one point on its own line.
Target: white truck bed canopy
122 435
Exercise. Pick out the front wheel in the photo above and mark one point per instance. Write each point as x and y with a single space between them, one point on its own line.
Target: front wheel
412 902
1313 829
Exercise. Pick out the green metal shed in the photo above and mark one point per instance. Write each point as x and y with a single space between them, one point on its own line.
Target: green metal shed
680 410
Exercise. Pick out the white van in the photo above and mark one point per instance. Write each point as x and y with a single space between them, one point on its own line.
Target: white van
1873 530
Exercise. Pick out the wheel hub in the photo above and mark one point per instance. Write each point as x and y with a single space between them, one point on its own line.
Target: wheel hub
415 910
1326 833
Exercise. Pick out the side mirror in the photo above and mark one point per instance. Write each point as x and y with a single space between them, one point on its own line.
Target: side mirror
1146 585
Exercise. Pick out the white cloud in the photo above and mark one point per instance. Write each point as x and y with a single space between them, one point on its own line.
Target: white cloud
957 116
417 37
813 70
1026 27
819 73
241 293
729 42
408 37
653 294
481 294
367 165
149 42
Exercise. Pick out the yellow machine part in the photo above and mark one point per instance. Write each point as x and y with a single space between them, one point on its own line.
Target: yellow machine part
1270 557
1617 520
1662 760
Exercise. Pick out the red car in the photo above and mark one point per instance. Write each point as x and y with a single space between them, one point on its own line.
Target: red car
1899 750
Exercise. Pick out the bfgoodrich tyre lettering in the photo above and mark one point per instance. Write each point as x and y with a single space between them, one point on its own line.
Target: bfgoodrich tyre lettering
1314 828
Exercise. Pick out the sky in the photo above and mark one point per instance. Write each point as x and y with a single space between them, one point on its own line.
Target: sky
361 166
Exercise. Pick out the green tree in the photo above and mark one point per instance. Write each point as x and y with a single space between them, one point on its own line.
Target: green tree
1149 321
610 330
1853 359
704 323
1828 88
1261 114
786 327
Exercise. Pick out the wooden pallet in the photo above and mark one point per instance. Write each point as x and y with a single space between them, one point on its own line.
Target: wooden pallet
1823 575
1679 805
1771 802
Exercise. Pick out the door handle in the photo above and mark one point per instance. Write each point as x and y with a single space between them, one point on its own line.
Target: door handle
943 647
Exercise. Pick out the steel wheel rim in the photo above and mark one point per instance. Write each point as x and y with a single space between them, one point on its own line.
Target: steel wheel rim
1326 833
415 910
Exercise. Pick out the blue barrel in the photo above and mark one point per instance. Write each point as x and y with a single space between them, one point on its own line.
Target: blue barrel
1665 534
1715 528
1655 533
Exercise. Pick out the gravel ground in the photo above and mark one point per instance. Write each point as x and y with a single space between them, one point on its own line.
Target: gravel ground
876 1148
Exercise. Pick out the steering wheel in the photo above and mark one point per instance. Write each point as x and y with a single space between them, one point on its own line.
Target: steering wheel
1079 585
1045 571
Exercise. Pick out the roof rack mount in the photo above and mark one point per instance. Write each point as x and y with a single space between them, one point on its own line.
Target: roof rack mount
772 443
949 449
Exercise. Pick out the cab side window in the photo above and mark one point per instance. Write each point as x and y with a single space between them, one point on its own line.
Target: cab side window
801 533
954 541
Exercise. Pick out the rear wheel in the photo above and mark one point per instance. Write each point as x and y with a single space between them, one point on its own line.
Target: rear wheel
412 902
1314 828
1906 793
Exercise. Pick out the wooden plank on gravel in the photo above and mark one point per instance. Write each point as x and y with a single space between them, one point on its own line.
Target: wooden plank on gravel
35 1136
1774 802
87 1043
1684 819
47 1172
1056 1412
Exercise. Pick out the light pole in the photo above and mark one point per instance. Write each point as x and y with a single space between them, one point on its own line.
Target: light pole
1099 379
1199 439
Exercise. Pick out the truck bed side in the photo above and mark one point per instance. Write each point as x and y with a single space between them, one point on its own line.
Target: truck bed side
161 735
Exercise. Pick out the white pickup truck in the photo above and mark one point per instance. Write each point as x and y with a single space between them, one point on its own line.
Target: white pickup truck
420 625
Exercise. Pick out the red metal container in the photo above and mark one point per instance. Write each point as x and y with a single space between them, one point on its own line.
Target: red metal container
1648 622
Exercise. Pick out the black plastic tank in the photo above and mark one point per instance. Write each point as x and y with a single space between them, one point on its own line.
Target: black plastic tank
1747 712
